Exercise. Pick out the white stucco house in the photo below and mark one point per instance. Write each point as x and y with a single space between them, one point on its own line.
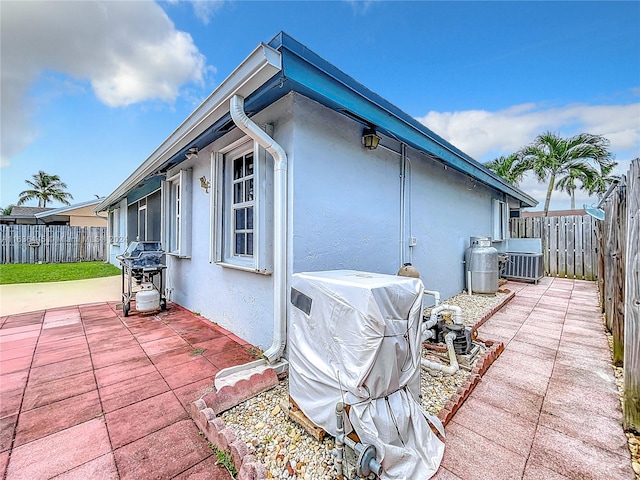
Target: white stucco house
270 176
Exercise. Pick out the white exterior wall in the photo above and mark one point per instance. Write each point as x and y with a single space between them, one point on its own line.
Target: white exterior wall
346 205
345 197
447 208
120 241
238 300
344 213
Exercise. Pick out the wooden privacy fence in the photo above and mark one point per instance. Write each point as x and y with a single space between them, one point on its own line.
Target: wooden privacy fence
52 244
619 281
568 243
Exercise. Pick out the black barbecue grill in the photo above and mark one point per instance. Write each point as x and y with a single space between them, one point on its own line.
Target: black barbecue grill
142 264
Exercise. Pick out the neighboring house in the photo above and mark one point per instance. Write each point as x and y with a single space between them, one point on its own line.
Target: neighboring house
26 216
237 220
76 215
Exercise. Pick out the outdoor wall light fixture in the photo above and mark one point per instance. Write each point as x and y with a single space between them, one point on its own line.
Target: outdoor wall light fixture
205 184
191 153
370 138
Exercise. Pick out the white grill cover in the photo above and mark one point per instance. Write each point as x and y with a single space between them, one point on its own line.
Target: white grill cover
355 336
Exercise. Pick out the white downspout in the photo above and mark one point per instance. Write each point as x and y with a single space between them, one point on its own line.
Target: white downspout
245 124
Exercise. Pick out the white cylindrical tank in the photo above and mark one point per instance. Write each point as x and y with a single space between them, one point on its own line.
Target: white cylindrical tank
148 298
481 260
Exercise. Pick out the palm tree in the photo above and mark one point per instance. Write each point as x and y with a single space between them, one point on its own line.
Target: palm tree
512 167
46 188
584 173
600 184
552 157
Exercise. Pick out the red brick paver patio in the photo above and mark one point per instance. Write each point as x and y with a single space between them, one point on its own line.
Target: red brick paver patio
548 408
88 394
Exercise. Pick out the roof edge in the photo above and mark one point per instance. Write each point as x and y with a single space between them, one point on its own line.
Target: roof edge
261 64
66 208
387 109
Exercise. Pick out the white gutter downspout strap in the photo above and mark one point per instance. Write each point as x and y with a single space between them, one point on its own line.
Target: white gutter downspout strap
245 124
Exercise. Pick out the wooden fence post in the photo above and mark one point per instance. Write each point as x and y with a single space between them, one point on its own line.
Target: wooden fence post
631 397
618 319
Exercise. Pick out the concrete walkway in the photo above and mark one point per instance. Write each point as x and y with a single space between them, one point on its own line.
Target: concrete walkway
88 394
548 408
29 297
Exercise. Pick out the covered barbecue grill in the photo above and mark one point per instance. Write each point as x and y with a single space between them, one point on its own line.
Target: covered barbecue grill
143 279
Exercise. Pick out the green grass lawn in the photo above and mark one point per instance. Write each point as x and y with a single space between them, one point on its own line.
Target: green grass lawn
54 272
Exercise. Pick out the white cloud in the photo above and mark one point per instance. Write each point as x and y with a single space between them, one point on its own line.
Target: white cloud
202 9
205 9
480 132
485 135
128 51
360 7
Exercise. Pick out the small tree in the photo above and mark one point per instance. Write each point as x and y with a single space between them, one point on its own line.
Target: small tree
46 188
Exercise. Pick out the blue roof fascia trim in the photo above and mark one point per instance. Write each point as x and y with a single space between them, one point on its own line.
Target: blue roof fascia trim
327 68
313 76
149 185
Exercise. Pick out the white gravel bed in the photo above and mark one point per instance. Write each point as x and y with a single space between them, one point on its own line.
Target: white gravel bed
437 388
288 451
283 446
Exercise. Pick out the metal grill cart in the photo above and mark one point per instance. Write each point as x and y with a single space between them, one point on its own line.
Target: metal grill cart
143 271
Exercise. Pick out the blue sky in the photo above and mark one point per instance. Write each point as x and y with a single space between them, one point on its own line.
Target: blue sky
90 89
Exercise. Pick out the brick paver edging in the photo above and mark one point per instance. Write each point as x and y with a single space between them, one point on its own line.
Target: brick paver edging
482 365
222 437
490 313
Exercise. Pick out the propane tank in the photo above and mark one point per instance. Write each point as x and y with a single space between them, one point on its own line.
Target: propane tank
147 299
408 270
481 266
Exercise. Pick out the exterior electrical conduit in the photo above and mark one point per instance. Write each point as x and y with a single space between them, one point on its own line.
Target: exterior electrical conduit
244 123
453 361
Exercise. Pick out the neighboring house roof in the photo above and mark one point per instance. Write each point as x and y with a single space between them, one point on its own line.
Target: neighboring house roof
28 211
285 65
40 215
556 213
67 208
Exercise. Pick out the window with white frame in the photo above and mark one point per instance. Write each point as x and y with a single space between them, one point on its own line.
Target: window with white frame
500 221
142 219
243 206
176 214
114 226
